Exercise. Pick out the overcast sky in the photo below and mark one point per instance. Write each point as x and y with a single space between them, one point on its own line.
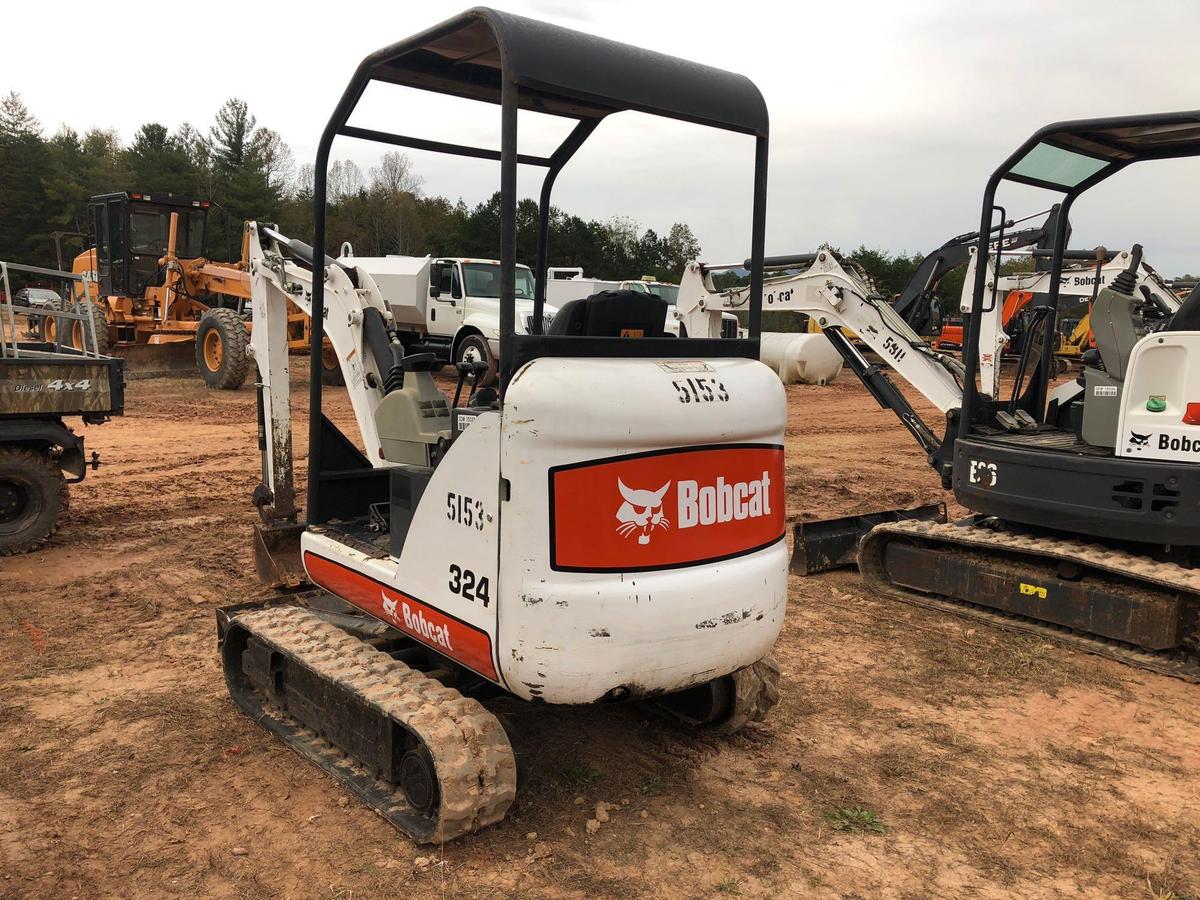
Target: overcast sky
886 118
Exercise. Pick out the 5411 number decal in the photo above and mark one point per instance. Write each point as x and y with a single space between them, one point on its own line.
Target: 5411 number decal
464 583
699 389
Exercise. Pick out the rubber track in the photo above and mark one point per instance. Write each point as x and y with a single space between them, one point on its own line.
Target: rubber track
756 691
1127 566
472 756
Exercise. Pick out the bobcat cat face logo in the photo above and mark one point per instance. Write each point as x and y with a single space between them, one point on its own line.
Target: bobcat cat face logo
389 607
641 512
1138 442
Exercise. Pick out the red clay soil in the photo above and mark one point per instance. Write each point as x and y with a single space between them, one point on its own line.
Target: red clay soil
913 754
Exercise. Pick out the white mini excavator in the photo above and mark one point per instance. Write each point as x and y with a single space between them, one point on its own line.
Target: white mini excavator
605 524
1084 495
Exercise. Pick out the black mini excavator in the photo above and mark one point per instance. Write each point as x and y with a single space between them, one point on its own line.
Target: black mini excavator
1085 495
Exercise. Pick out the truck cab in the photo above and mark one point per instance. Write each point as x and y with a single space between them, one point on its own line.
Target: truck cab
454 310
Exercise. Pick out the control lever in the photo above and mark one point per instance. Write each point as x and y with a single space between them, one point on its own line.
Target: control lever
467 370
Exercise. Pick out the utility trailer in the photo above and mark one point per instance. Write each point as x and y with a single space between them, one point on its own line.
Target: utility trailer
41 385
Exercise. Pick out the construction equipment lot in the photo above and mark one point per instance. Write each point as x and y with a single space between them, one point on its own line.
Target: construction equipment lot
913 754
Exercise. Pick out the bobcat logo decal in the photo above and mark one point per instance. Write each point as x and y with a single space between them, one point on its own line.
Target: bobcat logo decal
1139 442
389 607
641 512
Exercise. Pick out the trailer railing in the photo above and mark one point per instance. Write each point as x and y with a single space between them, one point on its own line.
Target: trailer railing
11 344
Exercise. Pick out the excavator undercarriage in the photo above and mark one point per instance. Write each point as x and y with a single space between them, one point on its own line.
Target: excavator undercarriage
1099 598
430 760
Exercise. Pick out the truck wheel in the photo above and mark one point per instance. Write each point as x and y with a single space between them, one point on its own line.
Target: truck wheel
474 348
222 354
33 493
331 368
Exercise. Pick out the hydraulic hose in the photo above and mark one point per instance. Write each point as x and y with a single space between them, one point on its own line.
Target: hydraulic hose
387 353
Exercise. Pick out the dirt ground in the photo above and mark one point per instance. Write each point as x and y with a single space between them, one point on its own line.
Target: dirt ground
912 755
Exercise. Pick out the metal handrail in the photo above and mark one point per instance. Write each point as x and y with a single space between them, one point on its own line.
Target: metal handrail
10 347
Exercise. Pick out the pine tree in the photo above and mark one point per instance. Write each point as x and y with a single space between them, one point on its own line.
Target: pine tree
15 119
160 163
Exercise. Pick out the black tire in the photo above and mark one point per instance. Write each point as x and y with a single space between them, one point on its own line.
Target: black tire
331 369
222 349
33 494
77 333
475 347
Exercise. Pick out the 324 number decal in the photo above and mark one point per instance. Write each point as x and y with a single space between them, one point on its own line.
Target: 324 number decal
464 510
464 583
700 390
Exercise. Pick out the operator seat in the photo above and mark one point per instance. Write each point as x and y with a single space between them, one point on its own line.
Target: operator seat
612 314
1187 317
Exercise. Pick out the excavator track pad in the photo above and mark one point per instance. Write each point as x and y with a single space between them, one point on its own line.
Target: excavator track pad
433 763
1095 598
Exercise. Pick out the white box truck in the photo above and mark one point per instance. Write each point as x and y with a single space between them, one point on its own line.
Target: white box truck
450 306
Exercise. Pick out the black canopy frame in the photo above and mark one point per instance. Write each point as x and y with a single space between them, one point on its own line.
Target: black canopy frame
1111 144
521 63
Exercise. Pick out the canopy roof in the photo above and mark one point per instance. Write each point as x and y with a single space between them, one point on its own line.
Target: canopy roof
567 73
1072 156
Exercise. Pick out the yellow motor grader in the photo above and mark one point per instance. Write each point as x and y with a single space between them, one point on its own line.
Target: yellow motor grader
157 301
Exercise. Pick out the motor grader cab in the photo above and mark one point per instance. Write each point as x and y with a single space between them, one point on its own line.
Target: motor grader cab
131 231
606 524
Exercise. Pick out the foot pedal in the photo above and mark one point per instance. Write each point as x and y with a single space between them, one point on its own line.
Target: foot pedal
1026 420
1007 422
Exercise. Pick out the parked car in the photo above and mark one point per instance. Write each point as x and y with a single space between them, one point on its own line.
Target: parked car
36 298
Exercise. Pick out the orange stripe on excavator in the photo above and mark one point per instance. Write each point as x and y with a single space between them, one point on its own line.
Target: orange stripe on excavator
440 631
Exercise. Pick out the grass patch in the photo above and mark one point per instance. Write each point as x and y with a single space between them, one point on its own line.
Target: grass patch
730 886
577 773
855 820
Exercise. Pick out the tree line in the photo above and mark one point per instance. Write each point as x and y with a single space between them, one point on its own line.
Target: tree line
247 171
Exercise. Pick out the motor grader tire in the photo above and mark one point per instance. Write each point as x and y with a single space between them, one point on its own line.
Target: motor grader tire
222 349
47 323
331 368
82 329
33 494
76 333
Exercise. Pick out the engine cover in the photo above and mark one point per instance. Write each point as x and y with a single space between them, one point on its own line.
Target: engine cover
641 541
